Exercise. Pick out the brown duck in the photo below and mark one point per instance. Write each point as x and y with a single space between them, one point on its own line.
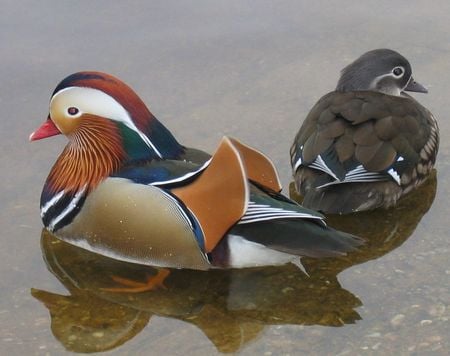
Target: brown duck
367 143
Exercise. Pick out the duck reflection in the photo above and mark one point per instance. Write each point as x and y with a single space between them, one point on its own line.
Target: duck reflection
231 307
383 229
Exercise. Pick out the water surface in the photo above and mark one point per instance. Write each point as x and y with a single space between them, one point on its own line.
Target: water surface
252 70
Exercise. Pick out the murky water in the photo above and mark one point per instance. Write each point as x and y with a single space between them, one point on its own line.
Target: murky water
250 70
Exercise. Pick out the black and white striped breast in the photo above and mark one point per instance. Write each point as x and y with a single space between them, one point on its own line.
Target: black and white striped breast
58 210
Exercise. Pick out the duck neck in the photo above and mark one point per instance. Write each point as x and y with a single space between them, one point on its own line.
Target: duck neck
163 141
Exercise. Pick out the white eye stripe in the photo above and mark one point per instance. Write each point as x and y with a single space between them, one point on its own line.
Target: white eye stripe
89 100
390 74
392 89
96 102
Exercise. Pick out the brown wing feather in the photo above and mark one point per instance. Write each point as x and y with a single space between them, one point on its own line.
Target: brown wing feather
315 145
333 129
259 168
377 157
367 128
385 129
218 198
380 127
345 147
364 135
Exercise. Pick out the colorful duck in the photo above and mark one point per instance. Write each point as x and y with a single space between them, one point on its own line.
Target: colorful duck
125 188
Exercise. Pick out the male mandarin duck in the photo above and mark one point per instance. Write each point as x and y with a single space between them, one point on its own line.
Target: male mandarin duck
367 143
125 188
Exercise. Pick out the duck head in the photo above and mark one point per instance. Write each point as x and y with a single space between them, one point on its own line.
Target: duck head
108 126
381 70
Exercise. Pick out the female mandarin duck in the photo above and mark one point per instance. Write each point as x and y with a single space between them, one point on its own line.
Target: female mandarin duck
125 188
368 143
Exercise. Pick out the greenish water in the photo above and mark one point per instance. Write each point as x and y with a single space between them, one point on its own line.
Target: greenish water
250 70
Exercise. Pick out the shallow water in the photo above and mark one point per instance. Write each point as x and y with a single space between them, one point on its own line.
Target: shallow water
250 70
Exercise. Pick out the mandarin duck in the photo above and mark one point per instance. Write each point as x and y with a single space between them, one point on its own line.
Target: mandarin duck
125 188
368 143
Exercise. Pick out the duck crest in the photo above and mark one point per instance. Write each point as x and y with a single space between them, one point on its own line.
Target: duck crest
161 139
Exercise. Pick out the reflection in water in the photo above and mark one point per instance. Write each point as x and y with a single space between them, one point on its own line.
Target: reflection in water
231 307
383 229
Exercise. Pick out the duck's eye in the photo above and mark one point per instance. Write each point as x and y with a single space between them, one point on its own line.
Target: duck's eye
72 110
398 71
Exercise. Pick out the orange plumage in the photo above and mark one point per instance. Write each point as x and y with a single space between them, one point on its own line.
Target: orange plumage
92 154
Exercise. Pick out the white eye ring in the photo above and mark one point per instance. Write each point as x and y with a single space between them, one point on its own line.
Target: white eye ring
398 72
